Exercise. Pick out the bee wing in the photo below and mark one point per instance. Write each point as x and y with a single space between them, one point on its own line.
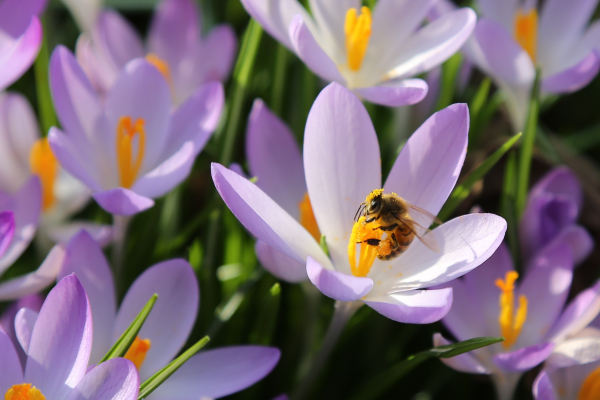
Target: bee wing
425 213
427 238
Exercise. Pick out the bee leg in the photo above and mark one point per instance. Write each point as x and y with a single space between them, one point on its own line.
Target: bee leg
371 242
394 240
387 228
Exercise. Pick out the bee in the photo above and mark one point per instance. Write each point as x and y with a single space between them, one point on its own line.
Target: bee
392 213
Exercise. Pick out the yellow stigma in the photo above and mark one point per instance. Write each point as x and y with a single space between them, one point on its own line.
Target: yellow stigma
24 391
590 388
43 164
161 65
510 321
362 231
358 32
126 134
307 218
526 29
137 352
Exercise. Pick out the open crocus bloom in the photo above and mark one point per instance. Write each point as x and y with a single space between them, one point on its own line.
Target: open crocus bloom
133 146
551 214
175 47
342 167
274 158
513 39
23 154
58 348
530 316
20 37
209 374
373 53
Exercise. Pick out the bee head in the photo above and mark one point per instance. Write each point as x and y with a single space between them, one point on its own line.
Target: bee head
372 204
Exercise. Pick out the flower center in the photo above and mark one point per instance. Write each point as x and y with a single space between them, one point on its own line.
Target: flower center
526 29
24 391
137 352
307 218
361 233
590 388
161 65
358 32
43 164
510 321
127 131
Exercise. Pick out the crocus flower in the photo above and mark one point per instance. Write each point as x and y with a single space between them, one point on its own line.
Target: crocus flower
23 154
514 38
342 168
373 54
20 37
57 350
132 146
209 374
550 216
7 319
175 47
530 315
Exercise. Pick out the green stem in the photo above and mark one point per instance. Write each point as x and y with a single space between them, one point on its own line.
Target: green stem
42 86
281 61
507 207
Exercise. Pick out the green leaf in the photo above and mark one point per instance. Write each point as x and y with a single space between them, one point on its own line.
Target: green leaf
158 378
323 244
463 190
450 70
507 207
526 153
380 384
124 343
267 316
476 107
584 140
42 86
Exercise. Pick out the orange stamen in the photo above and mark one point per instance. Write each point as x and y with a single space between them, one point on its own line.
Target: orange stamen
511 322
358 32
138 350
307 218
23 391
43 164
526 29
126 133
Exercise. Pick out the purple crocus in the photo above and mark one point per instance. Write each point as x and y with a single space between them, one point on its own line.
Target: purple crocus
7 319
513 38
342 167
209 374
531 315
175 46
23 154
133 146
553 206
20 37
373 54
58 350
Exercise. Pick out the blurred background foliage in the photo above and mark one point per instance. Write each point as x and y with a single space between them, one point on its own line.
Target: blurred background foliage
243 304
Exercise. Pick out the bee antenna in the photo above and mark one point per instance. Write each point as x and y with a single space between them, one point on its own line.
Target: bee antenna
358 211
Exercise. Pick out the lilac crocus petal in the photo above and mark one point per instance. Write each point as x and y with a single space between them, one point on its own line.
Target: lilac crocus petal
7 230
434 155
24 323
466 319
274 158
265 219
114 379
397 93
311 53
546 286
15 15
7 319
19 54
168 174
338 123
102 234
561 181
579 239
118 39
582 348
122 201
574 78
169 324
501 55
414 306
525 358
174 30
578 314
433 44
12 372
36 281
465 362
276 16
61 340
337 285
196 119
221 44
543 389
26 205
85 258
219 372
279 264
